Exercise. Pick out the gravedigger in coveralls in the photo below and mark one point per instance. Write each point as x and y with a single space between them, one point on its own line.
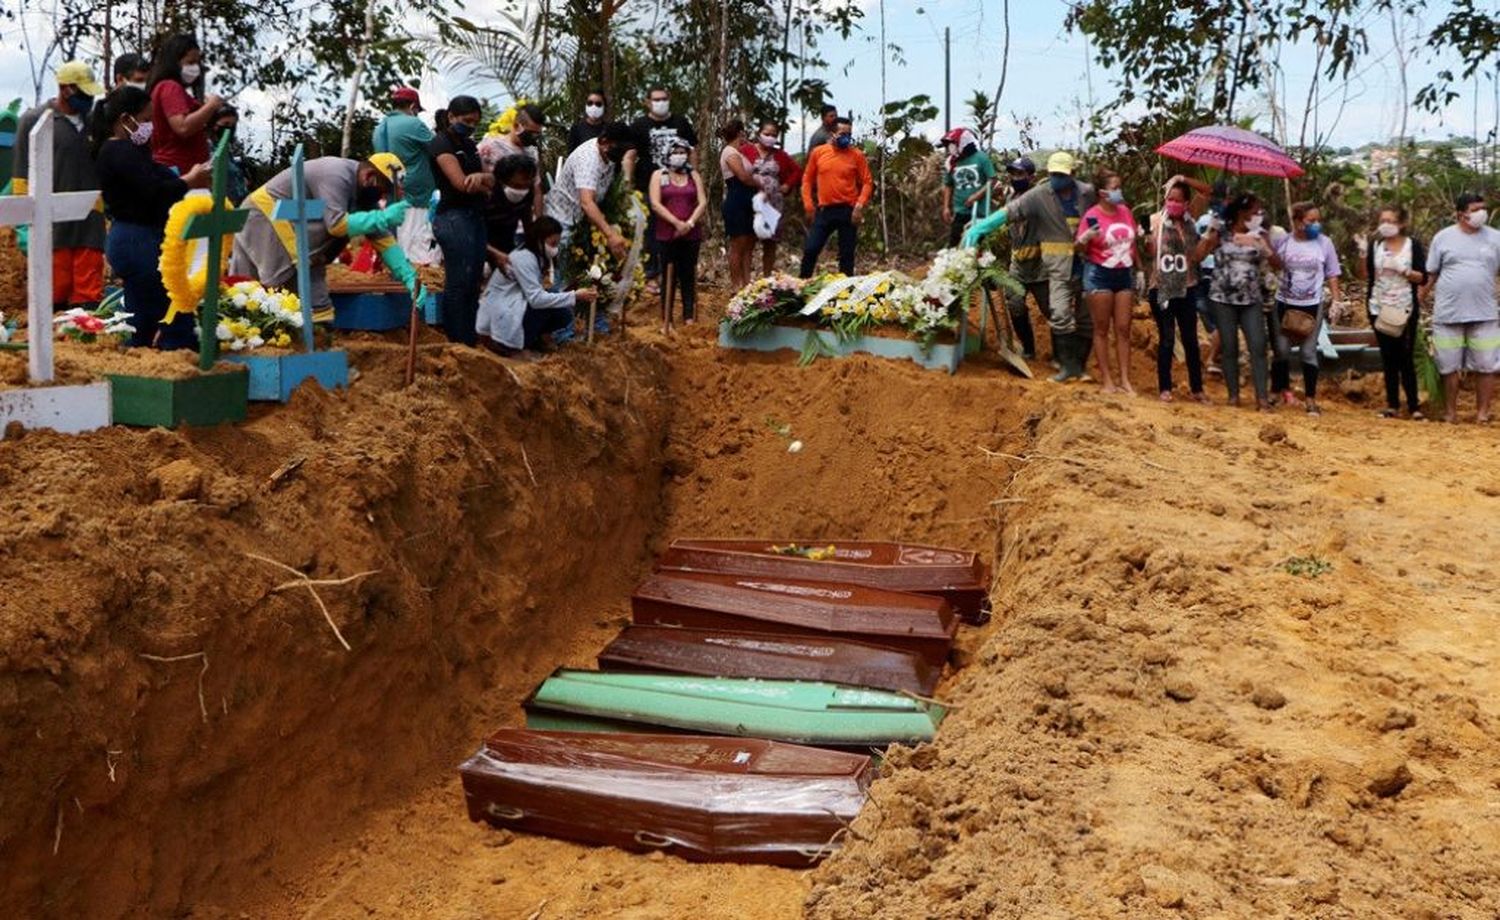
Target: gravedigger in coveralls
1044 226
351 191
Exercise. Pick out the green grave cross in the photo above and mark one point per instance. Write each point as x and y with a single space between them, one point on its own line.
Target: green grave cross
299 211
213 226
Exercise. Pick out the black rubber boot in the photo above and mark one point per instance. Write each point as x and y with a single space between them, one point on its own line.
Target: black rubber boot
1070 350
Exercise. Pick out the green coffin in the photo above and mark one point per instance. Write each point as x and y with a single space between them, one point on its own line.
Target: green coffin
801 712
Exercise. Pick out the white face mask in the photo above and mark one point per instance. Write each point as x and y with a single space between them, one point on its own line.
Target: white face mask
1388 230
1253 225
1477 218
191 73
594 111
551 251
661 107
677 160
770 141
516 195
141 85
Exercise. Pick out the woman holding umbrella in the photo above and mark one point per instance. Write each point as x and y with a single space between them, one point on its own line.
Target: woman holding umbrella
1241 252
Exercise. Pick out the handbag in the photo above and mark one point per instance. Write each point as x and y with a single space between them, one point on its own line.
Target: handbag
1394 308
1297 325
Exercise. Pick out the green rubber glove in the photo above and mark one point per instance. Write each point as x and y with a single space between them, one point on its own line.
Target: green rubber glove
983 228
364 223
401 268
23 238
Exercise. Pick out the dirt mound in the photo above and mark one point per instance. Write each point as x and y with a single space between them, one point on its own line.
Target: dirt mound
1232 675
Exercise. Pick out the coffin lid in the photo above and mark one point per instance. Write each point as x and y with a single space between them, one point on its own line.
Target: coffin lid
648 753
729 653
894 566
848 609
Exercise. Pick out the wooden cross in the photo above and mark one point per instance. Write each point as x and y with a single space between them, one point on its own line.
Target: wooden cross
299 211
213 226
40 208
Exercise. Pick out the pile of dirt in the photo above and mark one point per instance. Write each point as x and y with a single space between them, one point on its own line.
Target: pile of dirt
12 277
1240 668
182 728
341 278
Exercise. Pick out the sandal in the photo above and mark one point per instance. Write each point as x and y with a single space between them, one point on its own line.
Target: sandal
1417 416
1203 398
1312 409
1390 413
1166 396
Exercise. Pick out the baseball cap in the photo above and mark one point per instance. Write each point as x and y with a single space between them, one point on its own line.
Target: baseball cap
1021 164
405 94
1060 162
81 75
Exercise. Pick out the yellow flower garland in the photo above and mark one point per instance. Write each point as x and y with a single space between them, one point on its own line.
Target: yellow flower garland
505 120
183 287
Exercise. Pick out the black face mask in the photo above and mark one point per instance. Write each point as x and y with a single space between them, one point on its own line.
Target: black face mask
529 138
617 154
368 199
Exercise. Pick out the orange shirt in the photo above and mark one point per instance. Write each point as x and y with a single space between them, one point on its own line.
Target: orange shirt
840 176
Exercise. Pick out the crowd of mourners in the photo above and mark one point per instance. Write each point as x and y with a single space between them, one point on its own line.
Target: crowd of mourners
501 225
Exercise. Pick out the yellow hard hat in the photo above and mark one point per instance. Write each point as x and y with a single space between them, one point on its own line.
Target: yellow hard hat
1060 162
388 165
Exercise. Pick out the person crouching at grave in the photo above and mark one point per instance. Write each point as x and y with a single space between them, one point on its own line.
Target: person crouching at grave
138 192
517 310
351 192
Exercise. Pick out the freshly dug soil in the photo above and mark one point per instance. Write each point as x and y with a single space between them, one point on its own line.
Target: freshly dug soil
12 277
341 278
1240 665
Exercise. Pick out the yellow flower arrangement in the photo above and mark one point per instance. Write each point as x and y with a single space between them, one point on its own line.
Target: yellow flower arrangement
186 288
506 120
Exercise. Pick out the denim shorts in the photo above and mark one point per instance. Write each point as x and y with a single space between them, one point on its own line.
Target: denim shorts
1098 279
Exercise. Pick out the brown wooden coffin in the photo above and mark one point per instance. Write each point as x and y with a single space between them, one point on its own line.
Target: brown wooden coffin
702 798
957 575
906 622
720 653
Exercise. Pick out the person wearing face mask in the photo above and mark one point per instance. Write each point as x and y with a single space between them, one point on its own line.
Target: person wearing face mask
591 125
1108 237
464 188
1238 242
523 139
402 132
1308 259
518 312
138 192
739 202
1172 246
678 201
1394 270
828 118
511 209
236 178
1025 258
1052 211
836 186
584 180
132 69
351 192
776 174
655 133
77 246
180 111
1462 263
966 182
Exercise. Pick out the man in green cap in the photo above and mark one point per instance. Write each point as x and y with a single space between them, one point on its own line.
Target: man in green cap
1051 211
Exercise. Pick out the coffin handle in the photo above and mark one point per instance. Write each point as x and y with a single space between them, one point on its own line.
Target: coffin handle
504 812
648 839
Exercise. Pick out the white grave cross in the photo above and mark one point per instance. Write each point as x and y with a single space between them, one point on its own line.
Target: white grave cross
40 208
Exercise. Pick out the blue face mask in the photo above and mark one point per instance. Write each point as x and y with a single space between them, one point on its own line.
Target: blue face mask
462 129
843 141
1313 230
1020 185
1114 196
80 104
1059 182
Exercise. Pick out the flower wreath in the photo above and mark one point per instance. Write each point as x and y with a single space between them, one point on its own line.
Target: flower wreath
506 120
186 288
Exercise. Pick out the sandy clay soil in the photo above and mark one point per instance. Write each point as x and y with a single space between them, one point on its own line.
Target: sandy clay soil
1241 666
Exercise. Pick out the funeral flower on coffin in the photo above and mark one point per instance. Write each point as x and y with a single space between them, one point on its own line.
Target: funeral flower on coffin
87 326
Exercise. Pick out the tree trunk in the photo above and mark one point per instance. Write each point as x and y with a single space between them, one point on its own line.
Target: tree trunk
359 74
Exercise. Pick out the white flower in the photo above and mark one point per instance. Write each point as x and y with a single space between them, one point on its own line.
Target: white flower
256 341
986 259
237 345
794 448
239 300
222 333
595 273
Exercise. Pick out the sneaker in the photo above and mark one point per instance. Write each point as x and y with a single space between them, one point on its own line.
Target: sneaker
1215 370
563 336
601 325
1312 408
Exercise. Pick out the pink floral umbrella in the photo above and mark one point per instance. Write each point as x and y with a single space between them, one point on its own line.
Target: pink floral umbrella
1232 150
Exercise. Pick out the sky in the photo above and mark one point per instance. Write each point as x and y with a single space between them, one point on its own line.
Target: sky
1051 78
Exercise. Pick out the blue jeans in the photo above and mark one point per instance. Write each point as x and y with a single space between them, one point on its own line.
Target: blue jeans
830 219
1249 319
133 251
1201 301
460 234
537 323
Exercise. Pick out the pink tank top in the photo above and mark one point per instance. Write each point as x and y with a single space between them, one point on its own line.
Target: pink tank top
681 201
